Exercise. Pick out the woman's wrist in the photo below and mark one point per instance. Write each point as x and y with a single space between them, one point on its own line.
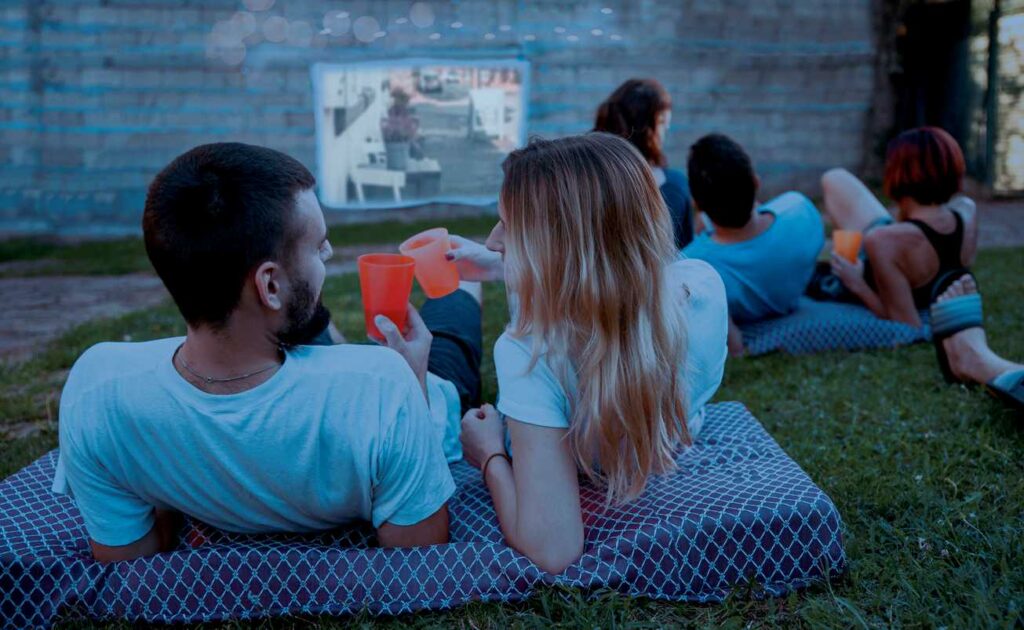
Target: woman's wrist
490 458
496 270
857 286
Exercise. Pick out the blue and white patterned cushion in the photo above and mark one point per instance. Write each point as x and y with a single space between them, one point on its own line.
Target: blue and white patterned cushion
737 508
822 326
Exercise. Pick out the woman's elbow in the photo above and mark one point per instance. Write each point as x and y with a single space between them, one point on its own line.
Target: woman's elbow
553 554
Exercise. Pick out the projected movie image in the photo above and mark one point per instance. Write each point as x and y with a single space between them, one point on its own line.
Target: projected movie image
398 135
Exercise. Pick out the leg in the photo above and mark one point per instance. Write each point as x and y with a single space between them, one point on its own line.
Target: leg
970 358
848 202
456 321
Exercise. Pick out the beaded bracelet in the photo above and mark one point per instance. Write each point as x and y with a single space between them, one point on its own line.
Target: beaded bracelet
483 469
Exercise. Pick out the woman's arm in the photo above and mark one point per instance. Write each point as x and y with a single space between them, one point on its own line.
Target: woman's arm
852 276
538 499
894 291
161 538
894 299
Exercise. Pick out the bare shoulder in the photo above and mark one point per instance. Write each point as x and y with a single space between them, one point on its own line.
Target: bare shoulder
893 235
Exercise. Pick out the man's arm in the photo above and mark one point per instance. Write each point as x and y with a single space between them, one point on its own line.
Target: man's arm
412 482
432 530
162 537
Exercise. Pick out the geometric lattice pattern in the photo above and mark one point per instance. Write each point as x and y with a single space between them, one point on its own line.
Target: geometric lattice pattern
820 326
737 508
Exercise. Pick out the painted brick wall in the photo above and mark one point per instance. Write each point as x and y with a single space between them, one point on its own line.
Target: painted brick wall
96 96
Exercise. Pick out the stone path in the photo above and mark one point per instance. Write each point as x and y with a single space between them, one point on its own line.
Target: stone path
1001 224
35 310
38 309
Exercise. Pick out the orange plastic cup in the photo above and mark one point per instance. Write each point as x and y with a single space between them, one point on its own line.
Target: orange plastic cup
846 243
385 281
437 275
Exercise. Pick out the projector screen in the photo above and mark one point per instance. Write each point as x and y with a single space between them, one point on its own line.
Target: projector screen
409 132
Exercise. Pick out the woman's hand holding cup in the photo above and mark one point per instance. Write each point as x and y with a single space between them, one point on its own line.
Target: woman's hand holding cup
475 262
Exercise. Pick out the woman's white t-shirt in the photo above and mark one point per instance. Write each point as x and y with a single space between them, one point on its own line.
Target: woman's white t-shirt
535 396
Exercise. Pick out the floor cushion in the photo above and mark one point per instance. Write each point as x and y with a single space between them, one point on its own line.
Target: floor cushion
821 326
737 509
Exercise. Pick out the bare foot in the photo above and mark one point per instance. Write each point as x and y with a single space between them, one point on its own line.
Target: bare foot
970 358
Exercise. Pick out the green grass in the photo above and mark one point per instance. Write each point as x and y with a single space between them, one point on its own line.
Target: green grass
118 256
929 478
128 255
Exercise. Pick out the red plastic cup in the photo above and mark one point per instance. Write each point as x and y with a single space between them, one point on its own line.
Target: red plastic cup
846 243
437 275
385 281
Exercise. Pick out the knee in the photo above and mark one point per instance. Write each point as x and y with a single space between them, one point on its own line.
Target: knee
833 178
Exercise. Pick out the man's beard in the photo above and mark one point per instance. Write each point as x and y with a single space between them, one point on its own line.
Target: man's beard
306 316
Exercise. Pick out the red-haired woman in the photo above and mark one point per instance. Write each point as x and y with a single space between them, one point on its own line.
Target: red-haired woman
640 111
936 230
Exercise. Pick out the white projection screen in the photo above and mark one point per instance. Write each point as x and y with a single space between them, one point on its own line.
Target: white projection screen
408 132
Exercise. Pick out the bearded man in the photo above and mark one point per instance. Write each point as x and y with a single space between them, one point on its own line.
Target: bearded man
250 422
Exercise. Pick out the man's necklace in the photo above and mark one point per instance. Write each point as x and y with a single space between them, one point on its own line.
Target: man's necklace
209 380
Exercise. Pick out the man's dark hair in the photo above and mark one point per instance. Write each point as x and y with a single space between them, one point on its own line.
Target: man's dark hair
722 180
213 215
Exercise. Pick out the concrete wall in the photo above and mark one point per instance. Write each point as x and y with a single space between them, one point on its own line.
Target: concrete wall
96 96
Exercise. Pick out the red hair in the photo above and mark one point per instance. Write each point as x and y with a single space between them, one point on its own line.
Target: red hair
924 164
631 112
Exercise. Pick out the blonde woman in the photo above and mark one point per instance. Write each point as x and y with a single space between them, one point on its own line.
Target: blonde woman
615 344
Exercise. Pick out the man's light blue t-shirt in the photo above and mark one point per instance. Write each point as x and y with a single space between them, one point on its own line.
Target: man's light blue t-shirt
337 434
765 276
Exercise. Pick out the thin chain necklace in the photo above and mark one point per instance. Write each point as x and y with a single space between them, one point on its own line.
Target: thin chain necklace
209 380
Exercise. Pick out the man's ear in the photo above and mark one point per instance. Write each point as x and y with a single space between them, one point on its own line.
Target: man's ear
757 185
267 279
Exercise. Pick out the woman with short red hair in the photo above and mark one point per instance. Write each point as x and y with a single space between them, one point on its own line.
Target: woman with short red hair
935 230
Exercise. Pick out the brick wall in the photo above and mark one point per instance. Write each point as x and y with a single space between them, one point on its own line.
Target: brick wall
95 97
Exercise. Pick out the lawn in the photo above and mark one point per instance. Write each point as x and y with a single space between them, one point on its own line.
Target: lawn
47 257
929 478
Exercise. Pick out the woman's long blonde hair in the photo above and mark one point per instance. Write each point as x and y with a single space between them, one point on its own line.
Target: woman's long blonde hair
588 240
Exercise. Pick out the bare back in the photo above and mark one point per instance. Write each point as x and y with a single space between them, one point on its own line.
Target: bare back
914 253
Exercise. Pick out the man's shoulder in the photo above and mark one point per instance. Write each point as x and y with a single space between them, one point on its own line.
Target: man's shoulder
348 361
799 219
702 246
790 199
129 349
108 361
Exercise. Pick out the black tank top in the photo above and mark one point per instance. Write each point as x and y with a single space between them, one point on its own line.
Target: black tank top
948 247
